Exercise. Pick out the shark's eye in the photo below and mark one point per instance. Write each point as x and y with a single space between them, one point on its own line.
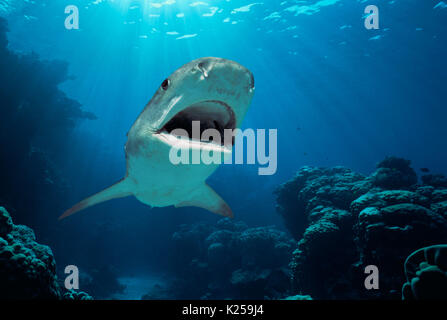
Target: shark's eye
165 84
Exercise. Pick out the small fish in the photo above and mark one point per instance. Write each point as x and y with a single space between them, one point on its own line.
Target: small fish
425 170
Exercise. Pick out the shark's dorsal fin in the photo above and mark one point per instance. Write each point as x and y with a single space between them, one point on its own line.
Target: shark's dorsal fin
205 197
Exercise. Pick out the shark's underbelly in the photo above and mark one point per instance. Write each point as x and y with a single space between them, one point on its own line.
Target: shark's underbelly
161 183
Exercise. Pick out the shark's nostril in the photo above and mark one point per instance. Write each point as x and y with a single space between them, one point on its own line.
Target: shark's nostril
204 67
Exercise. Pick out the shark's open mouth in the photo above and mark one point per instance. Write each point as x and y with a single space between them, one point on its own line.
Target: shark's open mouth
211 114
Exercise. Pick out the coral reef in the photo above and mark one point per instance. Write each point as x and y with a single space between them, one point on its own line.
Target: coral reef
27 268
229 260
76 295
394 173
298 297
312 187
426 273
344 221
435 180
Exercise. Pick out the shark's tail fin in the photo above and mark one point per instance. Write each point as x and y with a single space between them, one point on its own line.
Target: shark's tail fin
118 190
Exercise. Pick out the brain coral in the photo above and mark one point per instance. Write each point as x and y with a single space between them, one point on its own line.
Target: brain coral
426 273
230 260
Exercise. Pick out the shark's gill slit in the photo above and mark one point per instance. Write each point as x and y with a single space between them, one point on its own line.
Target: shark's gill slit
211 115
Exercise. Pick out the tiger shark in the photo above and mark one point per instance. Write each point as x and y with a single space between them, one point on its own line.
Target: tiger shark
215 91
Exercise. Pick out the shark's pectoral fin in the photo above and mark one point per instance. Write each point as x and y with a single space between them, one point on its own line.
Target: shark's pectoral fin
118 190
205 197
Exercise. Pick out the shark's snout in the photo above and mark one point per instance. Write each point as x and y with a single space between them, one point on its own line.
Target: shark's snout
235 74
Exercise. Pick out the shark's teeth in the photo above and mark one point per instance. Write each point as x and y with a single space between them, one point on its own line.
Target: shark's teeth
184 143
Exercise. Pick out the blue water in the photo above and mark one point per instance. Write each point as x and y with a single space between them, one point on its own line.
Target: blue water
338 94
